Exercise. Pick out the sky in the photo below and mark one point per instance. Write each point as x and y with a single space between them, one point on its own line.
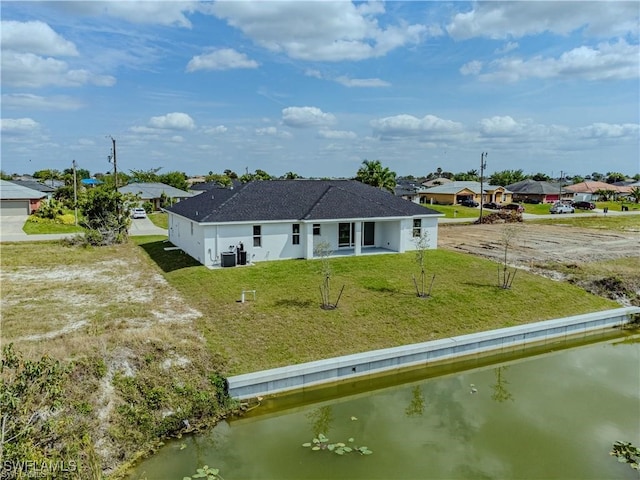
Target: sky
316 87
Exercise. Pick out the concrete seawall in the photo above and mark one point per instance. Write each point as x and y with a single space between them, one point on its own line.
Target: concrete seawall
296 377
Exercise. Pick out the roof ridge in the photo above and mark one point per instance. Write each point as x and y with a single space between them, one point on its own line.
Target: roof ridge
307 214
226 201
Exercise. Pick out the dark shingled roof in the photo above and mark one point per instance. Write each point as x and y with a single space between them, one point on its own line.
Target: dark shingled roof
533 187
273 200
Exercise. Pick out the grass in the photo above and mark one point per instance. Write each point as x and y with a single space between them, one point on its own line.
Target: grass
455 211
378 308
629 223
159 219
33 228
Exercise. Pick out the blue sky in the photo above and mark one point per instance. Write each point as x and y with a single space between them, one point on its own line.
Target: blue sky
317 87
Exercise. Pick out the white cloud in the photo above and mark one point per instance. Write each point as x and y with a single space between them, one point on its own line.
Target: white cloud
177 139
501 20
318 31
302 117
336 134
33 71
607 130
615 61
18 126
34 37
272 132
509 46
362 82
222 59
36 102
173 121
217 130
410 126
160 12
472 68
501 126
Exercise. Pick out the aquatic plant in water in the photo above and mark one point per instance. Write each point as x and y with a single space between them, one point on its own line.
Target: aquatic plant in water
321 442
627 453
206 472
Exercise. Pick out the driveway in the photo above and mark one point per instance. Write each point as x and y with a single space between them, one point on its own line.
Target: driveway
11 228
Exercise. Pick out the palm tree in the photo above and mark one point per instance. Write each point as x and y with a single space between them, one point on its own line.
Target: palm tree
373 173
635 194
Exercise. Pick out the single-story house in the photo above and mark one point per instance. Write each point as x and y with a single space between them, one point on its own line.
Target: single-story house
287 219
452 193
588 191
36 185
541 191
18 200
155 193
409 190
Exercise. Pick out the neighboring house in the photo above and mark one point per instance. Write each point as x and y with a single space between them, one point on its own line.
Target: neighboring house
155 193
588 191
452 193
18 200
286 219
198 188
36 185
541 191
434 182
409 190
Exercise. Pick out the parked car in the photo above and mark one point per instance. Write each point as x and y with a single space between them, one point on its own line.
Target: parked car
138 213
561 208
491 205
584 205
514 206
469 203
533 201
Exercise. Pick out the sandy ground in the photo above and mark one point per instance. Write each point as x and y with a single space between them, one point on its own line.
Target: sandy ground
540 243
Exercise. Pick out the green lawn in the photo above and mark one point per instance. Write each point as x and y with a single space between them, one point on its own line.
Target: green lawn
611 222
456 211
33 228
159 219
378 308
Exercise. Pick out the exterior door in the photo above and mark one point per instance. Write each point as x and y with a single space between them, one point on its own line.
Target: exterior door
368 234
346 234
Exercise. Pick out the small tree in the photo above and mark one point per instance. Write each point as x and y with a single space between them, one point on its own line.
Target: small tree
506 277
422 245
106 216
323 251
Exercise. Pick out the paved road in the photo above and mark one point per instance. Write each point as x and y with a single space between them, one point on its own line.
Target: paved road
11 230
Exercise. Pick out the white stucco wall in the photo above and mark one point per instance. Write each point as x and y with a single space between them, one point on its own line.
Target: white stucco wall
207 242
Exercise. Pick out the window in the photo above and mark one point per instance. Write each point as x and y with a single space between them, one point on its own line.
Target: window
417 227
257 236
295 234
316 229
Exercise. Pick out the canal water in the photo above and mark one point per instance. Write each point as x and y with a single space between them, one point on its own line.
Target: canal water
552 415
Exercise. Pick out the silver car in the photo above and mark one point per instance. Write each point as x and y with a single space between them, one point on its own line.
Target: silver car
562 208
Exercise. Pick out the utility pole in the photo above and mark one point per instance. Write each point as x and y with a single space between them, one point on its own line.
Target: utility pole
115 162
75 192
483 165
560 183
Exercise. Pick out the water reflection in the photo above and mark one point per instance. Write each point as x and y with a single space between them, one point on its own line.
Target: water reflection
500 392
572 405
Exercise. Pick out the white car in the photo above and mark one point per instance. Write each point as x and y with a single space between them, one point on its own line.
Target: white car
138 213
562 208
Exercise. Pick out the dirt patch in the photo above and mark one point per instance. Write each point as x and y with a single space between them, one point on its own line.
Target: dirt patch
536 244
